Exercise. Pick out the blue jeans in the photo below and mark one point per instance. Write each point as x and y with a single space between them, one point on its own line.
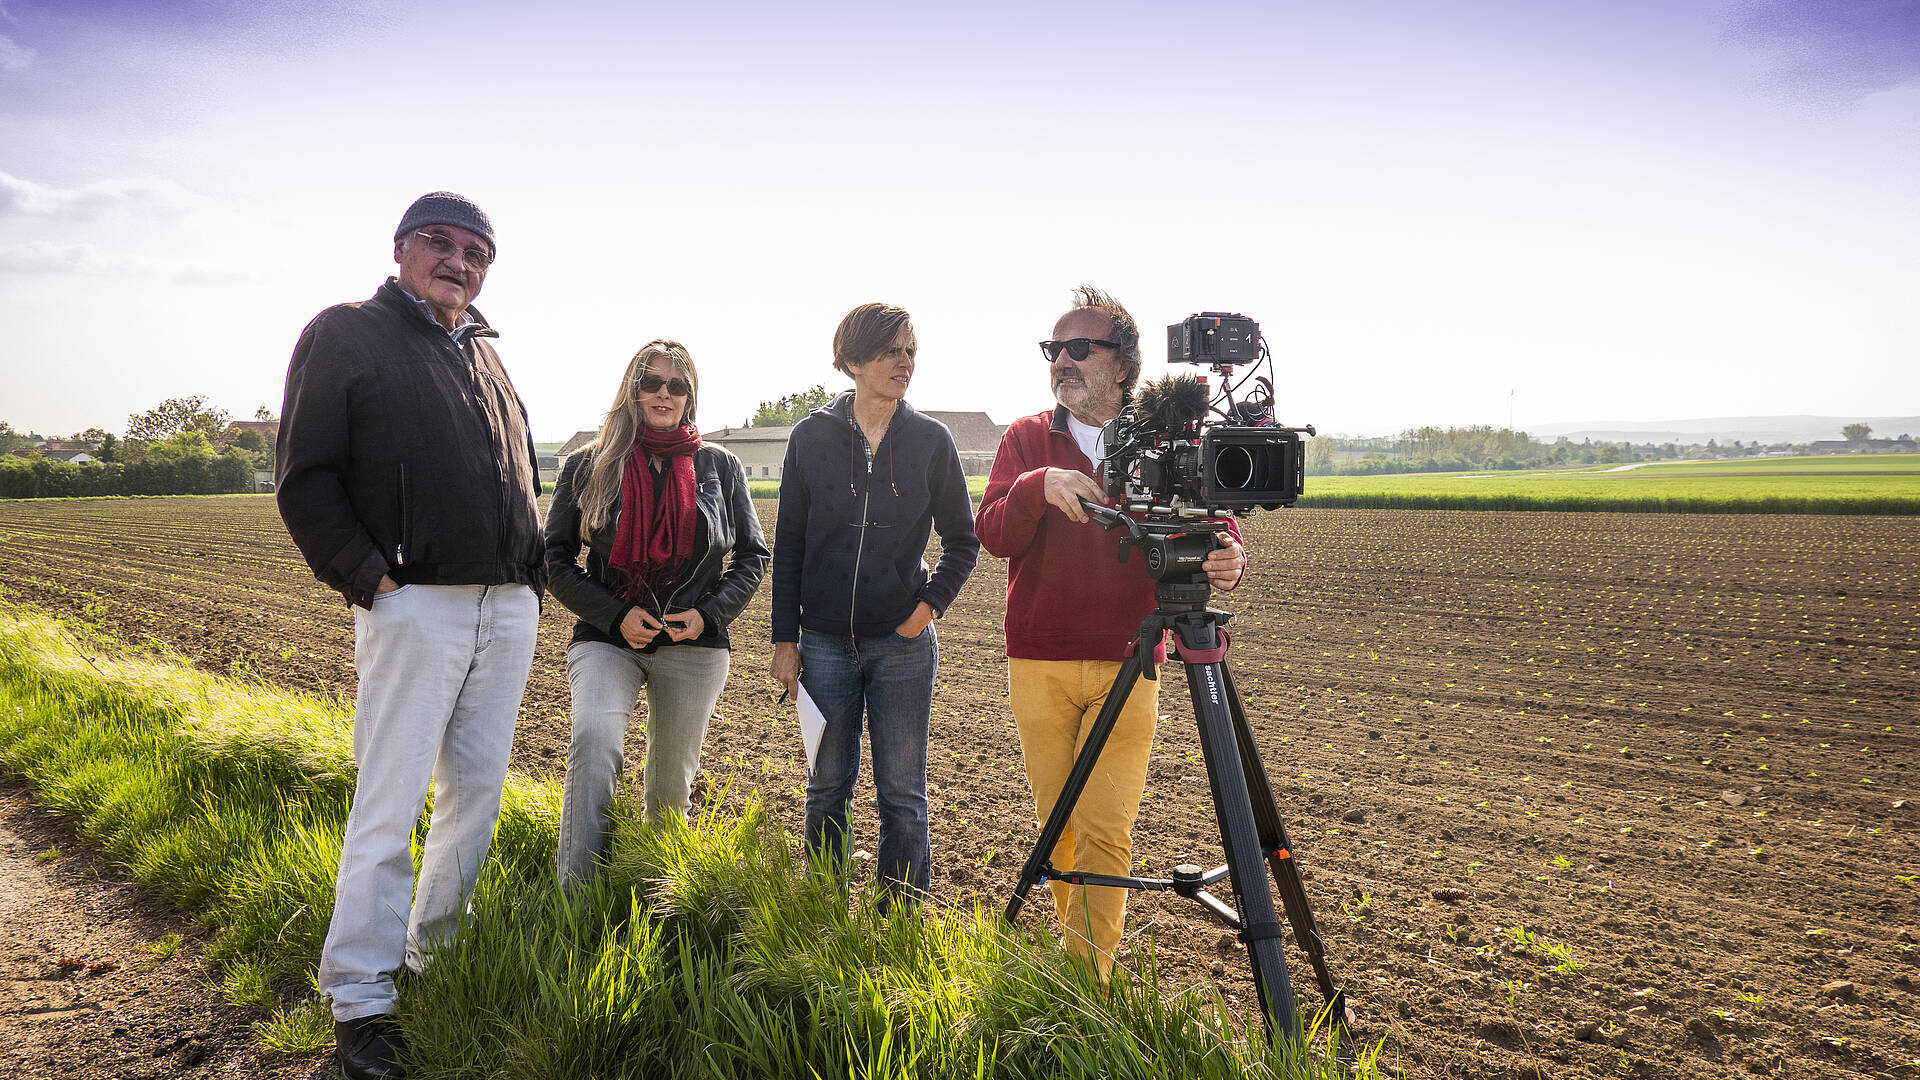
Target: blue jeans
888 680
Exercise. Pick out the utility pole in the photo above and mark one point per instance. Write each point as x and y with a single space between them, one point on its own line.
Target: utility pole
1510 394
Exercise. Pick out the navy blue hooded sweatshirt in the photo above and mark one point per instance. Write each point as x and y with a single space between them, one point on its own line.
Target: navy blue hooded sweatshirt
853 526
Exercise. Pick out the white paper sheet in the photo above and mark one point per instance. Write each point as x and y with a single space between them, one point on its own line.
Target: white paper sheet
812 724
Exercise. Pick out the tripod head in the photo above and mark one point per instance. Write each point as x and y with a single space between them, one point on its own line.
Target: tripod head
1173 551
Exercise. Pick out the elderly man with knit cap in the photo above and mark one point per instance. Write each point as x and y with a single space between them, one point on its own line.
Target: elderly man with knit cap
406 477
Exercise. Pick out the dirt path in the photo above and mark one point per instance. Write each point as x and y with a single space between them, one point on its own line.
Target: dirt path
83 996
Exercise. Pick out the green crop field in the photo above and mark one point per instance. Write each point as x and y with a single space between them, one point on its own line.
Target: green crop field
1831 484
1849 484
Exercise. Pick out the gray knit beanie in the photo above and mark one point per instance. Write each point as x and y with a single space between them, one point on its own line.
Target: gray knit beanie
446 208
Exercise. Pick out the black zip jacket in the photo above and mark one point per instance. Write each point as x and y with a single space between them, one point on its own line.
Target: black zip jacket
403 452
710 583
852 527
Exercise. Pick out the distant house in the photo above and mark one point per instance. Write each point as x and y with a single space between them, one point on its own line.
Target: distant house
68 453
762 450
975 435
1859 446
268 430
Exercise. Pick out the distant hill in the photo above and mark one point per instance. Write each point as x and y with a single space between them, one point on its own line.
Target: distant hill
1724 429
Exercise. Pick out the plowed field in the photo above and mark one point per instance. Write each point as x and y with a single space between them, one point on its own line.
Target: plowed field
1577 794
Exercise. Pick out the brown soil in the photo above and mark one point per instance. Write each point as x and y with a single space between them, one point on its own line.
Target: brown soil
83 993
1680 747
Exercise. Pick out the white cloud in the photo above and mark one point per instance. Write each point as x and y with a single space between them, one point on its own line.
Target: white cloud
78 259
85 260
139 197
13 55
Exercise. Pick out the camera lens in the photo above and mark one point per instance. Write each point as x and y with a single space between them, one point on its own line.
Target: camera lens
1233 468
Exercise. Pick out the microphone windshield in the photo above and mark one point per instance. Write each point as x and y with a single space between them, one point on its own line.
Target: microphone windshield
1175 404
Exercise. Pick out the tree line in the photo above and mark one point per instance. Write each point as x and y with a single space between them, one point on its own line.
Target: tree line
790 409
1482 447
170 449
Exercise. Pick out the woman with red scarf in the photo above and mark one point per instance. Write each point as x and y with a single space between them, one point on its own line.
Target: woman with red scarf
674 552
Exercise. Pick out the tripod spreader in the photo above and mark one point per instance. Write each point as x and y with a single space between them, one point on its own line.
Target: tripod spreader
1188 880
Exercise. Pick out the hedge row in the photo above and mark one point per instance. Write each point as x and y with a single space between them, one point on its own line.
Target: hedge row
39 478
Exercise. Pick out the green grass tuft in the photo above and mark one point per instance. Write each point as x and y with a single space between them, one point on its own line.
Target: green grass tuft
304 1027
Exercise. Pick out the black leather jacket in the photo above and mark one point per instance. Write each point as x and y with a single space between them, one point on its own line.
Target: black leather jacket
405 452
716 586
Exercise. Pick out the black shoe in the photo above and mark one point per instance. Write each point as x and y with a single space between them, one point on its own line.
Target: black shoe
368 1048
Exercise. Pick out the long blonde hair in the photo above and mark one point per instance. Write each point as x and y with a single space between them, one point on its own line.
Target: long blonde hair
623 422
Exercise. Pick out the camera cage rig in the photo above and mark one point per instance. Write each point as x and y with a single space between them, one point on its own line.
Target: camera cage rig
1181 453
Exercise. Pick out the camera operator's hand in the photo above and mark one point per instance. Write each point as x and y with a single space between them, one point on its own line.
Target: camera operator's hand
1225 563
1066 487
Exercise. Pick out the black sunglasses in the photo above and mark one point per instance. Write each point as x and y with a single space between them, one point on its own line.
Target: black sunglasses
676 386
1078 348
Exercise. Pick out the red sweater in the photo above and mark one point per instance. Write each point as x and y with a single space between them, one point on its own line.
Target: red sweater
1068 595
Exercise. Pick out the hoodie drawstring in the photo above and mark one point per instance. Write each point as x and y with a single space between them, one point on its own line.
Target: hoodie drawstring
853 462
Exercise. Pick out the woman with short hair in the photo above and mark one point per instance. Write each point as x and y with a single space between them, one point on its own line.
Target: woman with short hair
674 552
867 477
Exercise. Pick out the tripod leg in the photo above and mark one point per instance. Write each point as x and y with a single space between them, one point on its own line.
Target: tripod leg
1233 806
1273 841
1041 859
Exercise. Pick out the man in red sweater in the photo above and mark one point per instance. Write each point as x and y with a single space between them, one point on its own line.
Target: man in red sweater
1073 608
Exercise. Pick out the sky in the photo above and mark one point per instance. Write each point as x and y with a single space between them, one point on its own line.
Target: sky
1476 212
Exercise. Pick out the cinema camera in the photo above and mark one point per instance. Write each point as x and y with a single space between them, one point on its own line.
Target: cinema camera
1178 454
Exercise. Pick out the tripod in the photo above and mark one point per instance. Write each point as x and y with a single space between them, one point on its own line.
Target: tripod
1250 826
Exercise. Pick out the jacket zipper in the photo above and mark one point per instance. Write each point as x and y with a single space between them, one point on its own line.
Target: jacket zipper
469 358
694 570
502 452
866 500
400 545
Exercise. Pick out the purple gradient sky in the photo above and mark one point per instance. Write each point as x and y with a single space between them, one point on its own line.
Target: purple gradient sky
1628 211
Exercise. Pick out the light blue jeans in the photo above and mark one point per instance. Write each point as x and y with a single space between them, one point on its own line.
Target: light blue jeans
682 683
441 668
885 685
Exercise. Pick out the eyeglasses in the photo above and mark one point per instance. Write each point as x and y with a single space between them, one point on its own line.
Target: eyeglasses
1078 348
677 386
476 259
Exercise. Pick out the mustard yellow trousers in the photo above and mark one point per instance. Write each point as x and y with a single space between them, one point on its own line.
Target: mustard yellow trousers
1055 704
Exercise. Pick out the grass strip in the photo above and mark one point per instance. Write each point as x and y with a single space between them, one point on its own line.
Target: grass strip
702 950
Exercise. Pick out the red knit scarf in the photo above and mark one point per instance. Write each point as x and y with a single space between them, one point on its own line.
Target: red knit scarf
654 538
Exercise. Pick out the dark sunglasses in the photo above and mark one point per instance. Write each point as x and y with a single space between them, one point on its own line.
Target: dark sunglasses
677 386
1078 348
